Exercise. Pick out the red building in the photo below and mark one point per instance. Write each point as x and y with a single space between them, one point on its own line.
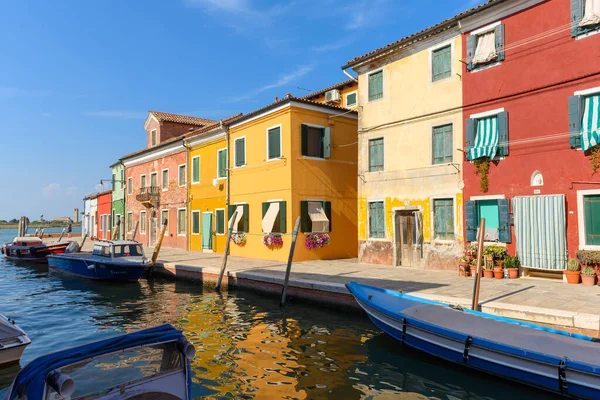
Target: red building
531 83
104 215
156 181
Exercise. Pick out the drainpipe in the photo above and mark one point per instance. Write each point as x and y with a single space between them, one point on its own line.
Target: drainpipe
349 76
187 197
228 177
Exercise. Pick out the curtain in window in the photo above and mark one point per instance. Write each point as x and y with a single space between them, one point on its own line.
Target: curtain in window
486 141
591 13
590 127
486 48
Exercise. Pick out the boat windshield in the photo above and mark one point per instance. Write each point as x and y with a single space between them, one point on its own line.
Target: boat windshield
104 373
103 251
129 250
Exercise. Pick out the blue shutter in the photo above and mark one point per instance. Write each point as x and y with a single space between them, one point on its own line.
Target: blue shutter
470 127
470 221
576 16
503 134
471 47
327 143
499 33
575 120
504 234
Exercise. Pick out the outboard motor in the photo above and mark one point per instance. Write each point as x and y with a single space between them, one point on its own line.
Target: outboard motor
73 247
61 383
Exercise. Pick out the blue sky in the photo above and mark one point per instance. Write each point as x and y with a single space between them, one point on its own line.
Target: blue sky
78 77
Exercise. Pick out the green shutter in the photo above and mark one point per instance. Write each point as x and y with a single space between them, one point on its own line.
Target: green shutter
441 63
376 220
240 156
304 140
274 143
220 217
265 208
504 234
351 100
576 108
442 144
376 85
327 209
282 217
576 16
305 221
195 222
471 223
195 169
222 155
471 48
503 140
246 219
327 143
591 207
499 33
376 155
470 133
230 210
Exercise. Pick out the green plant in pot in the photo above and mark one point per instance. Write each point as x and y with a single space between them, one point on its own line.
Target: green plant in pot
590 258
588 276
573 271
495 255
512 264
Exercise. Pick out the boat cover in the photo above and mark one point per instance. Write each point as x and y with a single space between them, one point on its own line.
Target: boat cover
7 331
27 239
32 378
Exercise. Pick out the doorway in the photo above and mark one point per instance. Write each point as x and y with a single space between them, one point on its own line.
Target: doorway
408 238
207 231
153 227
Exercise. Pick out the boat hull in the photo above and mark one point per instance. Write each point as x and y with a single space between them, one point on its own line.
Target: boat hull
38 253
409 321
92 269
11 355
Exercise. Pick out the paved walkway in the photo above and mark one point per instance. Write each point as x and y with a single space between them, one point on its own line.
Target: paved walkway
533 299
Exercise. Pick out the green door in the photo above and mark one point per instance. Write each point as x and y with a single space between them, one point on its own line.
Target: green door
207 230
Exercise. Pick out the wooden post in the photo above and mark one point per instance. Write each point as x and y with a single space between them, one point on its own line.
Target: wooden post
135 228
226 252
42 233
477 283
85 235
288 270
61 234
159 244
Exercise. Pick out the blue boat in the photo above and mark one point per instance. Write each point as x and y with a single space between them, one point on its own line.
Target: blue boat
121 260
149 364
550 359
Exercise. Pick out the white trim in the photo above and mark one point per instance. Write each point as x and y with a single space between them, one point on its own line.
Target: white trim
153 132
162 179
234 152
200 138
160 219
167 150
446 43
185 232
489 113
144 175
581 218
432 238
192 182
485 29
589 91
584 35
490 197
179 175
495 13
346 98
382 84
155 173
199 223
313 199
385 235
148 118
143 232
224 222
129 185
280 142
226 163
274 201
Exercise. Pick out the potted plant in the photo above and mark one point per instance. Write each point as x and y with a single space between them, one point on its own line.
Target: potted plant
512 264
590 258
316 240
239 238
272 240
488 271
588 276
572 272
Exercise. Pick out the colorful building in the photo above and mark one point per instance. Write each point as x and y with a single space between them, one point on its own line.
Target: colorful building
104 217
156 187
86 218
293 158
118 197
93 216
343 94
409 166
532 102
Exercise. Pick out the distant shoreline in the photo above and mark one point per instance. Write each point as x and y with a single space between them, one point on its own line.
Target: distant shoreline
46 225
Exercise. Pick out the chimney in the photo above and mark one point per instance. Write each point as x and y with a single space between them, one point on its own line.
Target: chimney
288 95
276 99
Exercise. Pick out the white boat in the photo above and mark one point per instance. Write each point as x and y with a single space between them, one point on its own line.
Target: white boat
13 341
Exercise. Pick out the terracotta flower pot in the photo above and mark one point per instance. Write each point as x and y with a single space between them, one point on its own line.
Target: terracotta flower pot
487 273
513 273
572 277
588 280
498 273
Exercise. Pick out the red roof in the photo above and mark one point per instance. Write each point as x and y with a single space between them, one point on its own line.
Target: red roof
181 119
327 89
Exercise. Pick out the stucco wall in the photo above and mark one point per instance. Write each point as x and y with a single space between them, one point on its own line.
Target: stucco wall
104 208
346 89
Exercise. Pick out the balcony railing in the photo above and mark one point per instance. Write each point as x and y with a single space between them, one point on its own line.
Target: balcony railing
148 194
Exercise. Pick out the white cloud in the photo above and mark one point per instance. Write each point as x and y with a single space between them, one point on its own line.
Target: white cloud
242 15
70 191
332 46
51 190
365 13
123 114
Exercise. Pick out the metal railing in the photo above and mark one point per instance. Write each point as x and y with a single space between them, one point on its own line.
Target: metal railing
148 194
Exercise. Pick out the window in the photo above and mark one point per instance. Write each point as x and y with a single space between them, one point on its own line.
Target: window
196 169
129 185
441 63
485 46
181 221
114 180
274 143
182 172
142 221
142 181
274 217
315 216
122 178
164 218
129 221
153 137
316 141
239 149
442 144
222 163
585 17
487 135
497 219
165 179
350 99
195 222
591 219
154 179
376 85
376 220
443 217
220 221
376 155
584 121
241 222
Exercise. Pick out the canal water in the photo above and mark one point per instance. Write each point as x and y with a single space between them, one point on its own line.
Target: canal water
247 347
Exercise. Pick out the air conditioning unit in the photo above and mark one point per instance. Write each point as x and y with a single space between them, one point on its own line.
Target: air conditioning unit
333 96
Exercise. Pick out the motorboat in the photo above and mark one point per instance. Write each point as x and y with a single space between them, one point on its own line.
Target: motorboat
13 341
118 260
148 364
30 248
554 360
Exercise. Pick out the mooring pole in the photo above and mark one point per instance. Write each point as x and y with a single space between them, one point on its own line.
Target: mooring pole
288 270
115 234
135 228
157 248
226 252
62 234
477 283
85 235
42 233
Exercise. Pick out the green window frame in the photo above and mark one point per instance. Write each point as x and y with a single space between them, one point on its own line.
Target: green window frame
376 85
239 148
443 217
376 155
220 221
442 144
280 225
376 220
195 222
165 179
181 221
222 163
274 143
196 169
441 63
351 99
164 216
591 217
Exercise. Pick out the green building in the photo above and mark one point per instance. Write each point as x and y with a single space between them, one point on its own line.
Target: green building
118 196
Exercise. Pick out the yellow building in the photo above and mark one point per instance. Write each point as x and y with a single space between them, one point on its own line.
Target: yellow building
294 158
343 94
409 165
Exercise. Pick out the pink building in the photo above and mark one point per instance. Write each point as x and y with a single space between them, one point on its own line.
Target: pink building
156 181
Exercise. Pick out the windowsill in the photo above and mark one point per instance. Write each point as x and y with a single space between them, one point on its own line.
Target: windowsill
493 159
180 234
375 100
589 247
219 234
448 79
182 185
193 234
584 35
350 105
274 159
239 166
486 66
378 239
221 178
443 241
164 190
375 172
195 183
314 158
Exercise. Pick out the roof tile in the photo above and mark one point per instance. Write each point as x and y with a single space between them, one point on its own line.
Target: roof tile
181 119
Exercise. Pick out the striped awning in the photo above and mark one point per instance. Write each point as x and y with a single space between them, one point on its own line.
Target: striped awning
486 141
590 127
540 230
